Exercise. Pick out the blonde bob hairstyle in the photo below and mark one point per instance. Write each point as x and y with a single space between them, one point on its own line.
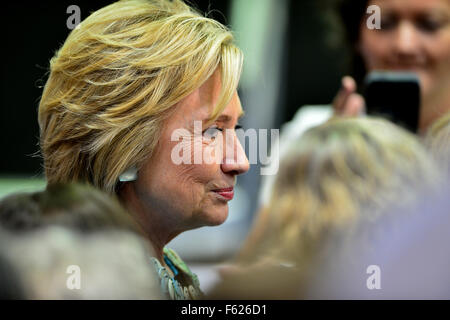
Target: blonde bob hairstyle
345 171
118 76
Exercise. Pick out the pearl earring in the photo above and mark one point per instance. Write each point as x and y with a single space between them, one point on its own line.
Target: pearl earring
129 175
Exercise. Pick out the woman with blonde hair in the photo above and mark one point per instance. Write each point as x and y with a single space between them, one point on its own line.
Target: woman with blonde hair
336 175
136 103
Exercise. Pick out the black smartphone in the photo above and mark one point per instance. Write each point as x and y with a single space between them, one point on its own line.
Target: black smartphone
394 96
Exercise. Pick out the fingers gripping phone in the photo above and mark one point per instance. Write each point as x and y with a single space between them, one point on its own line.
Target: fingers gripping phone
395 96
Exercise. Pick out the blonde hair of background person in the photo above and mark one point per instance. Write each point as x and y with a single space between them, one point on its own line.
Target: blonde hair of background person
336 174
116 79
437 140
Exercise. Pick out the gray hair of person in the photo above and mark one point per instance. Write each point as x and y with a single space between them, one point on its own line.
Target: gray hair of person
76 206
109 264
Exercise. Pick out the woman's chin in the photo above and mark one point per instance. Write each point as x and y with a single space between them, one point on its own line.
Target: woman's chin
217 216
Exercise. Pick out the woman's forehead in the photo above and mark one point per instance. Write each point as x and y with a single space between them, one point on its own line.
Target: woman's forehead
200 104
195 107
413 6
211 88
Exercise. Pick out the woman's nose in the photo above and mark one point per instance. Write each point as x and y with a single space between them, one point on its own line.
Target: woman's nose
234 161
406 42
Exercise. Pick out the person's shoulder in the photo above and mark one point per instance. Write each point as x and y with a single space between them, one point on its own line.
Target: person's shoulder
307 117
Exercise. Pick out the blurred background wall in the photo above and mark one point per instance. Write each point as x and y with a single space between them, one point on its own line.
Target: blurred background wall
288 64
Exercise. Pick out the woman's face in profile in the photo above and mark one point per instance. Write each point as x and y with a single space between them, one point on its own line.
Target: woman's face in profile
414 36
191 176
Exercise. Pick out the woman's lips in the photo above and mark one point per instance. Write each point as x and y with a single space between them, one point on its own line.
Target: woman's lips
406 66
227 193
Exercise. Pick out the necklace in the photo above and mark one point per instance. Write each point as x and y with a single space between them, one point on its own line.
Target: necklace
172 287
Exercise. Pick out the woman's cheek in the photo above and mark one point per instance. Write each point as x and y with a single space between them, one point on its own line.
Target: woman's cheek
439 65
375 48
213 152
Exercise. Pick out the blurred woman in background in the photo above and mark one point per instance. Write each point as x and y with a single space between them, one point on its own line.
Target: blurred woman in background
133 83
414 36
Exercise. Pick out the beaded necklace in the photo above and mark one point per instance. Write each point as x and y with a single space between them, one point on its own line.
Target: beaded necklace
172 287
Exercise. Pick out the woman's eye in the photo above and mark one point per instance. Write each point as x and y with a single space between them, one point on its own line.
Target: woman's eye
429 25
212 132
388 23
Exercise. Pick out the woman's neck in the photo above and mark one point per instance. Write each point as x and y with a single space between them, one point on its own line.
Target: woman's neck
153 225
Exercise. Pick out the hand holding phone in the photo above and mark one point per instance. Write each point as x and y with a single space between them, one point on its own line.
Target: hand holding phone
394 96
347 101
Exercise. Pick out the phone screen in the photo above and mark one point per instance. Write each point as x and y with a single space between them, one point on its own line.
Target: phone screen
394 96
